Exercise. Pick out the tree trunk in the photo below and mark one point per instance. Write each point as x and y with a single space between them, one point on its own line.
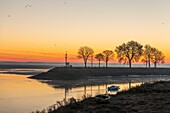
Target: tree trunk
91 61
149 62
85 63
155 64
99 63
146 62
106 63
130 64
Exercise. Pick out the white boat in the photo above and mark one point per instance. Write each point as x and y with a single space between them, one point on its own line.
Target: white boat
102 98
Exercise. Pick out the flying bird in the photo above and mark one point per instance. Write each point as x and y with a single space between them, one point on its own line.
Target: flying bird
28 6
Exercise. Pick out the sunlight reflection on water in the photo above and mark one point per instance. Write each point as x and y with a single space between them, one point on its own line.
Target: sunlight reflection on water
22 95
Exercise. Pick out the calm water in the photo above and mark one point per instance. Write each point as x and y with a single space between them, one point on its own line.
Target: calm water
60 64
22 95
18 94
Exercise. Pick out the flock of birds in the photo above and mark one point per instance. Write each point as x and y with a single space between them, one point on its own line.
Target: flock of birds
29 6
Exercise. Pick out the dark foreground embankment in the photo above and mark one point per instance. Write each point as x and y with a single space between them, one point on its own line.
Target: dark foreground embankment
59 73
147 98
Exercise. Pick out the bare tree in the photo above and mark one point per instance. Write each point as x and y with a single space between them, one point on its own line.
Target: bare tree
145 60
147 54
85 52
157 57
107 55
99 57
92 52
129 52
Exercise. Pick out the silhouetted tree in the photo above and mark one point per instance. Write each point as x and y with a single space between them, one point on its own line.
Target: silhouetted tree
99 57
129 52
91 58
157 57
85 52
147 54
107 55
144 60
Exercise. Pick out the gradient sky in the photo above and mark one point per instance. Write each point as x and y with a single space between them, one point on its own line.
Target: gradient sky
44 31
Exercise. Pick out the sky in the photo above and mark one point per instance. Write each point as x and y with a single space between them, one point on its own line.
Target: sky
43 30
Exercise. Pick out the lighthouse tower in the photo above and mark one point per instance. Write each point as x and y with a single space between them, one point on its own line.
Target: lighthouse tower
66 59
67 64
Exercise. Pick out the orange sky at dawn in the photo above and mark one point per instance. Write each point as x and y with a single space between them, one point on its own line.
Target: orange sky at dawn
43 30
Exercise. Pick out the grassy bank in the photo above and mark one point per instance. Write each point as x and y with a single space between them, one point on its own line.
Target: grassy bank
147 98
59 73
78 76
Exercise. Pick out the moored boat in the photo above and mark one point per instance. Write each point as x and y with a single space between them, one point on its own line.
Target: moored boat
113 88
102 98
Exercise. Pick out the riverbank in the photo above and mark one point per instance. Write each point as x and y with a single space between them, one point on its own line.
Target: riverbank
147 98
60 73
76 77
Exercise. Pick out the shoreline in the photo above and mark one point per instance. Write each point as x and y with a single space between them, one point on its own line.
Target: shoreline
60 77
147 98
78 73
68 84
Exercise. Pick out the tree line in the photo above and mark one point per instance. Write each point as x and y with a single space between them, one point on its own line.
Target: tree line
127 53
